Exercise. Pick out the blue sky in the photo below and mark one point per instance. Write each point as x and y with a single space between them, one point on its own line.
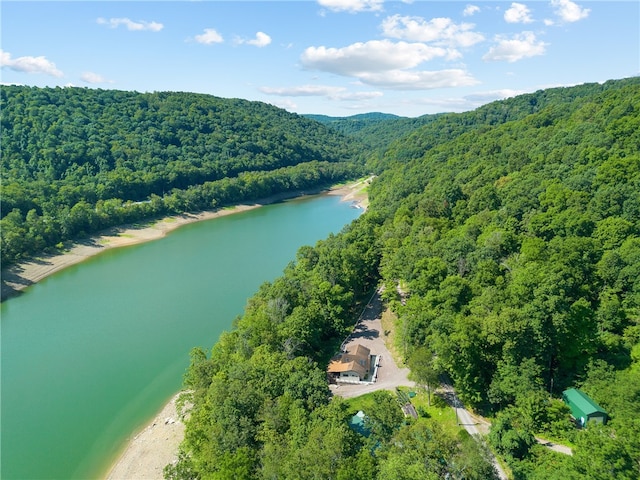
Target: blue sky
333 57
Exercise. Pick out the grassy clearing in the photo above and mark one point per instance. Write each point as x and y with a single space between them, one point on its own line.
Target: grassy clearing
391 340
363 402
439 411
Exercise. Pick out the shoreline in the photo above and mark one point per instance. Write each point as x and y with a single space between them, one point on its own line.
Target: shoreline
149 450
17 278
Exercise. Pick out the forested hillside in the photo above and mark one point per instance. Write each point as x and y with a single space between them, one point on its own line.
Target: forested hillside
77 160
376 130
514 234
519 247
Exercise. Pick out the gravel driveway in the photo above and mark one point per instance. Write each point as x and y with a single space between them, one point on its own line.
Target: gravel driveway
368 332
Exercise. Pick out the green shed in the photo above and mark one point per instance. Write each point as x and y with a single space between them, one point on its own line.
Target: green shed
583 408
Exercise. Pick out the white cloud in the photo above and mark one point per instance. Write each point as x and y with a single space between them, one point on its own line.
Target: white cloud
29 64
209 36
521 46
261 40
518 13
302 91
286 104
444 104
440 31
372 56
467 102
332 93
91 77
358 96
131 25
418 80
470 10
383 63
569 11
481 98
352 6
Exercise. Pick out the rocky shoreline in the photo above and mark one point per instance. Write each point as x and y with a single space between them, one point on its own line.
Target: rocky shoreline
152 448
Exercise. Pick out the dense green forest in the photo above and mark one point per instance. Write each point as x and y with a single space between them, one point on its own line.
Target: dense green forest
518 244
376 130
78 160
513 232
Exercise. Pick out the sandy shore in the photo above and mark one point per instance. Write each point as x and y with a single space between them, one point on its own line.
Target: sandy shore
18 277
152 448
157 444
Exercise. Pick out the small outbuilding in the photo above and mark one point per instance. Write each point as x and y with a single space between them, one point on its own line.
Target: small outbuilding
358 425
583 408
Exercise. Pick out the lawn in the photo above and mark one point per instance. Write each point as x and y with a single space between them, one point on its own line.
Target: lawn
439 411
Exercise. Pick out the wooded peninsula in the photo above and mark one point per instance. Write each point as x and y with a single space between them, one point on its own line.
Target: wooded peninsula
507 240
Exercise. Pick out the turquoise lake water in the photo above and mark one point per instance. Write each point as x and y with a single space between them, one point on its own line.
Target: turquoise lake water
92 353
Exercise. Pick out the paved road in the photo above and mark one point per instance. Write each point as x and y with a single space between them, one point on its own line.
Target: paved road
469 422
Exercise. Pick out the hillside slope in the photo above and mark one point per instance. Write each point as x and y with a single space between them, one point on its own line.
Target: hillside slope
375 130
517 246
515 239
76 160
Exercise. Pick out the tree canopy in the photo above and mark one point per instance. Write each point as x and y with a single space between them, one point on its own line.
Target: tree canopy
513 232
77 160
516 244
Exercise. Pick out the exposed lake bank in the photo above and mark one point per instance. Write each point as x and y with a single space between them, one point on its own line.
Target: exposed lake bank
20 276
152 448
92 353
156 445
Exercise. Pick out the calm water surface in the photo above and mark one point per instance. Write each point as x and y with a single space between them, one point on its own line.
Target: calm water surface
90 354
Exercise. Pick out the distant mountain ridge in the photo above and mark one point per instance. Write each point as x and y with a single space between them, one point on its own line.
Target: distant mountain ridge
362 118
376 129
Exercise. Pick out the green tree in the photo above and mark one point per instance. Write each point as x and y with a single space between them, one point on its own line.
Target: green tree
599 455
473 460
384 416
509 438
424 370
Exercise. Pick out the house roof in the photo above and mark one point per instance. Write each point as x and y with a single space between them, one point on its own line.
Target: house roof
358 353
355 359
338 366
359 350
580 400
357 424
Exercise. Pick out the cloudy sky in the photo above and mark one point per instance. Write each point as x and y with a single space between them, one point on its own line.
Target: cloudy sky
334 57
